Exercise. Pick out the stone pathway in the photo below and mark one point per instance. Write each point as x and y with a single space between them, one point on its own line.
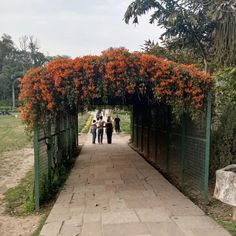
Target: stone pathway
112 191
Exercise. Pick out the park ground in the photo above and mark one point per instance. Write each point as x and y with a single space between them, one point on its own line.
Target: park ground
16 164
16 160
16 178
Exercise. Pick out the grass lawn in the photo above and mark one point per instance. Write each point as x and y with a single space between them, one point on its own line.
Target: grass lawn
12 133
124 120
19 200
82 119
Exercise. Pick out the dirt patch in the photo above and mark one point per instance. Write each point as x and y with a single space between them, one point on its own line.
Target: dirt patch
17 226
13 167
215 208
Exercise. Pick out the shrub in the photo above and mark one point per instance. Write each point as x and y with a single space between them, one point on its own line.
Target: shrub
86 128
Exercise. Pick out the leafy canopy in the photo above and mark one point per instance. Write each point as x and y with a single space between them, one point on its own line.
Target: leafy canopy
194 25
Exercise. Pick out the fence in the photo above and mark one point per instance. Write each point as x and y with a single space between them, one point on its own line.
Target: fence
180 149
54 147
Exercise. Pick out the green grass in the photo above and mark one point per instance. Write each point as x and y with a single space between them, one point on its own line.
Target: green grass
229 225
40 224
82 119
12 133
19 200
87 125
124 120
5 108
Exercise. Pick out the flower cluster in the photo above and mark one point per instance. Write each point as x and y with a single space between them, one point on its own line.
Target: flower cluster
66 84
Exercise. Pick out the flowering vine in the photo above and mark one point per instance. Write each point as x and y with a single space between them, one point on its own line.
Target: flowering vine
66 84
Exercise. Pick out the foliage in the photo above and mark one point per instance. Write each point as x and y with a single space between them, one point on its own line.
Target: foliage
19 200
224 135
41 223
14 61
224 140
48 192
12 133
65 84
225 32
124 119
186 23
229 225
196 26
178 55
226 87
86 128
82 119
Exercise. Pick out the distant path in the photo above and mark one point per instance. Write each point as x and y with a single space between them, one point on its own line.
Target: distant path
112 191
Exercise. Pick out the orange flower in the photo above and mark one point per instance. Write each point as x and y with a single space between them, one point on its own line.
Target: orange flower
50 106
115 72
178 93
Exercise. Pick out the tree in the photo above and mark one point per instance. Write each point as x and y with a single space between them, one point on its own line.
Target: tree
188 24
225 32
224 137
29 52
180 56
14 62
7 50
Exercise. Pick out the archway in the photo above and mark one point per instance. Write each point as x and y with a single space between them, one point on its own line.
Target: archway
51 96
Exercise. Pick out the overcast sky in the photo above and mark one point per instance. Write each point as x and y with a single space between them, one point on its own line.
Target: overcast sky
74 27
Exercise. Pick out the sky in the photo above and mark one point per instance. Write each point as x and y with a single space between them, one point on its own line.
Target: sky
75 27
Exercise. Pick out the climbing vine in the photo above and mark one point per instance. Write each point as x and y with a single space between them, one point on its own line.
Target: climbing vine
66 84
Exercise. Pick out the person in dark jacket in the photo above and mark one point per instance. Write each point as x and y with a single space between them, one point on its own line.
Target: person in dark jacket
109 130
117 124
100 126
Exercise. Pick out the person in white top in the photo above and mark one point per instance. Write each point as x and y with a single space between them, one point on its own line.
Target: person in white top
94 131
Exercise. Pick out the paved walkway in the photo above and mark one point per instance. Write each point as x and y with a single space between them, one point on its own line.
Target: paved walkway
112 191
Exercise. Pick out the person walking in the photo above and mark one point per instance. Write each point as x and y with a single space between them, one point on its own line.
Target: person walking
117 124
109 130
100 126
94 131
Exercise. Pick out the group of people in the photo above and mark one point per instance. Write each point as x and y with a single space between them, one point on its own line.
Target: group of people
97 129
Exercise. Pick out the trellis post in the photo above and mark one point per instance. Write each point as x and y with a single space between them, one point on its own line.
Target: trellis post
183 147
36 166
208 143
49 152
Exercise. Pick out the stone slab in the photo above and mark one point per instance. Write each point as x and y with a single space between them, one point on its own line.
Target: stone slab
125 229
112 191
91 229
165 229
51 229
119 217
160 214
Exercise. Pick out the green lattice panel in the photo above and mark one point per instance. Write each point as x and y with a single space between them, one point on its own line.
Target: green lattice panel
195 163
175 156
